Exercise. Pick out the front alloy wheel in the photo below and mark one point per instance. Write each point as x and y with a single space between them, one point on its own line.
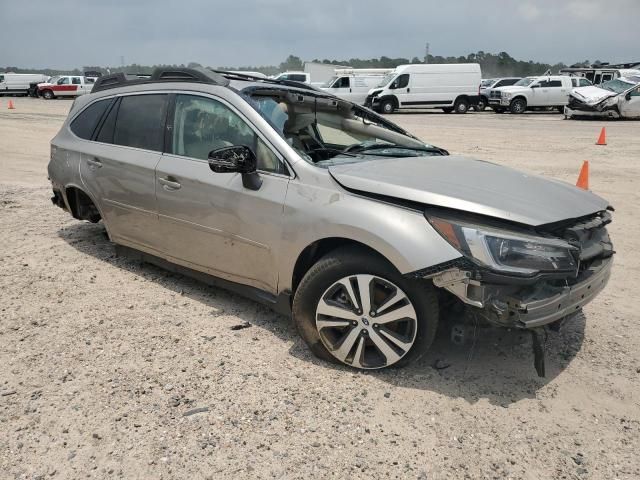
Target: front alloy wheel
366 321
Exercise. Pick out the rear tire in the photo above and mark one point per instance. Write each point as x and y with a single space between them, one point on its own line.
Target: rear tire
518 106
481 106
461 106
387 106
348 333
48 95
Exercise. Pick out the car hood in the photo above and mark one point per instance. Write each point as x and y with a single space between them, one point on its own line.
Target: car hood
592 94
470 185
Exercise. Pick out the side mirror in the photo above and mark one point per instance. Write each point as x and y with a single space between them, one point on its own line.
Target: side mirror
237 158
535 85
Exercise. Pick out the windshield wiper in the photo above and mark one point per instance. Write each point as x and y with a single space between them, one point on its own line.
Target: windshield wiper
336 151
383 146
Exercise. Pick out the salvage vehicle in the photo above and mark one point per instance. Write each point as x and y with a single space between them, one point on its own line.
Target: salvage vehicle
66 86
485 89
619 98
18 83
450 87
354 84
533 92
326 211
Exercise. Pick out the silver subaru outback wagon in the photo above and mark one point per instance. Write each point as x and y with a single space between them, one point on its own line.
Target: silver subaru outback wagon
327 211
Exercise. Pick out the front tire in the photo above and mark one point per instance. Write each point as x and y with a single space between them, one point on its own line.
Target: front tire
387 106
48 95
518 106
356 309
482 105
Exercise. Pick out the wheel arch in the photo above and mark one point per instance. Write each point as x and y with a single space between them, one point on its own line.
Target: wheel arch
393 98
321 247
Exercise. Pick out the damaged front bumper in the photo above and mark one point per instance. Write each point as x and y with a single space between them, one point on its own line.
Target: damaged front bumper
528 306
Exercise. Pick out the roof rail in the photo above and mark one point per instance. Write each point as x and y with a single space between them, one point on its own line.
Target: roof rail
245 76
163 74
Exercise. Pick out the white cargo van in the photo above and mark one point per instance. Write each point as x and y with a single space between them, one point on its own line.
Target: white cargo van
19 83
451 87
353 84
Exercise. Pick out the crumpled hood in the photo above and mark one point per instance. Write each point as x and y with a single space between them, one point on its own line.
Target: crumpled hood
472 186
591 94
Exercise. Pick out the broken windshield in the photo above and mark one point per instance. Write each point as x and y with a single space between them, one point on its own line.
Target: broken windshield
617 86
326 131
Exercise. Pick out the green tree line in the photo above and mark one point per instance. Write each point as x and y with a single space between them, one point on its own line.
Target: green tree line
492 65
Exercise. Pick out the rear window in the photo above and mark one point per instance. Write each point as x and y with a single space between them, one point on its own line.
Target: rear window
297 77
85 123
140 122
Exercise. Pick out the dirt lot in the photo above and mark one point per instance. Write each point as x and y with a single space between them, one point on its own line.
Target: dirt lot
103 360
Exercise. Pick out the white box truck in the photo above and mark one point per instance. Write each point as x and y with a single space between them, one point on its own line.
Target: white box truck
19 83
353 84
451 87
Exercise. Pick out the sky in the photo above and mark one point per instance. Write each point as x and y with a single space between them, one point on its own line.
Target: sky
69 34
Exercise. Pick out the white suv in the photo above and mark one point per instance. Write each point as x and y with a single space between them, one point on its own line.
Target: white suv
545 91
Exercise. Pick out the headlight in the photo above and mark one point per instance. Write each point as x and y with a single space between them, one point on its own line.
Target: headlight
506 95
506 251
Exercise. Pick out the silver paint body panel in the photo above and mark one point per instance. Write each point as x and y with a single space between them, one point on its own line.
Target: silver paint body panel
214 225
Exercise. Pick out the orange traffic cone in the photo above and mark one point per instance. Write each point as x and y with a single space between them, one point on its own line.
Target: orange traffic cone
583 178
11 107
602 139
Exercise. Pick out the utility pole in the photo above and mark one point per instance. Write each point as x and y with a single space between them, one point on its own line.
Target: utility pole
426 53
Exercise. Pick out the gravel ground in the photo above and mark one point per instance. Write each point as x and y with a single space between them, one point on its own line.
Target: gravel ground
113 369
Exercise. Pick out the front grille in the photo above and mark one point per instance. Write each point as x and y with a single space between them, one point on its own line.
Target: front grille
575 104
495 94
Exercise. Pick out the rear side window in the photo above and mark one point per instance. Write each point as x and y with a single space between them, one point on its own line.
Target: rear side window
555 83
140 122
108 126
85 123
297 77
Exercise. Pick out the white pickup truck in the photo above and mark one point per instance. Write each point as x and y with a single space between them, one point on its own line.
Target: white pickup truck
548 91
66 86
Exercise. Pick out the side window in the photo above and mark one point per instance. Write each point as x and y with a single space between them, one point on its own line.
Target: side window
403 80
85 123
343 82
635 93
109 125
63 81
574 82
296 77
510 81
500 83
555 83
140 122
542 84
202 124
75 81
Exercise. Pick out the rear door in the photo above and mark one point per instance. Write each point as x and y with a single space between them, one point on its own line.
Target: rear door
119 168
77 87
210 221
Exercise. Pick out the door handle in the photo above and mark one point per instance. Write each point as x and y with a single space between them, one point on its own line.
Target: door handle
408 90
94 163
169 185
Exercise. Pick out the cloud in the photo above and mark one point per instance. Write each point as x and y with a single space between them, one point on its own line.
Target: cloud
74 33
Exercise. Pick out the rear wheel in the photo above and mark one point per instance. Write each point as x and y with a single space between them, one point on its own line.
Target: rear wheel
481 106
461 105
518 105
387 106
356 309
48 95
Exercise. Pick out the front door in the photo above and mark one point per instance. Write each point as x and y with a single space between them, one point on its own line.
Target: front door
210 221
119 168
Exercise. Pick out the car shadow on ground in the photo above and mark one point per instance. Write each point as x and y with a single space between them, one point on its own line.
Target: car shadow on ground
492 364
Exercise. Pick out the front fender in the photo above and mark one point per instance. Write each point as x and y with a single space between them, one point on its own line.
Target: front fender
402 235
